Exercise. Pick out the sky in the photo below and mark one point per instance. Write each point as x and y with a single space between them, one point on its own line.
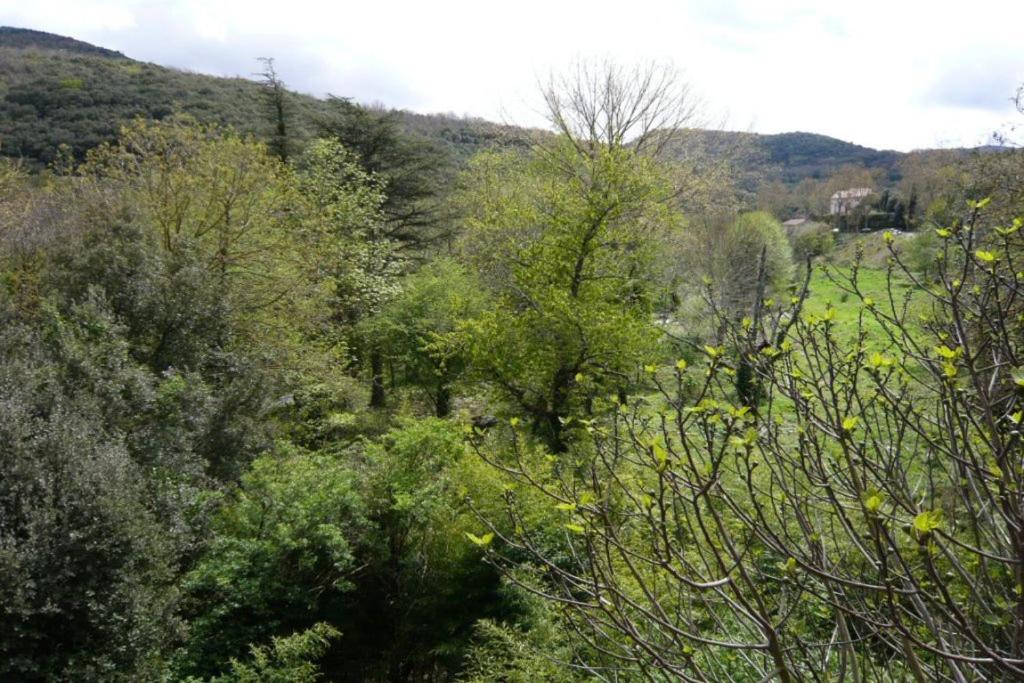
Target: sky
890 74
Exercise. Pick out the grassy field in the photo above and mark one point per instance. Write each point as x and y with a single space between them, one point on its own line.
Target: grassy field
830 287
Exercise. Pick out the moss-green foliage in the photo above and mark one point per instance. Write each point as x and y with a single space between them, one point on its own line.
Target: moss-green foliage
567 242
289 659
41 111
280 557
803 155
790 157
28 38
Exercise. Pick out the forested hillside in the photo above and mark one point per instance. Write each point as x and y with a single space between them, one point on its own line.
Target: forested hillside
60 91
57 91
27 38
299 390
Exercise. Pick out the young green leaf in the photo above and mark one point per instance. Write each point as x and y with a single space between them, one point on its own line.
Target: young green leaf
482 541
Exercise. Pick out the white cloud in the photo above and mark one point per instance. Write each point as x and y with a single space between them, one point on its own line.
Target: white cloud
885 74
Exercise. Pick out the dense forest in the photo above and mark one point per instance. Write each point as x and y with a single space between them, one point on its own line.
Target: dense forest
297 389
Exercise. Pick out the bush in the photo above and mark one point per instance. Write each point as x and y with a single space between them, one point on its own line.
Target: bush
89 536
727 252
280 558
810 240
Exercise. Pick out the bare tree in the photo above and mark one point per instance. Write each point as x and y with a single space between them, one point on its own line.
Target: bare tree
604 104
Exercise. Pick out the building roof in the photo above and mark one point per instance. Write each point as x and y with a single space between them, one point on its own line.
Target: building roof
853 193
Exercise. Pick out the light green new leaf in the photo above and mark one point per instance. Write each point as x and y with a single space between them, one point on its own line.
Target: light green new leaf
482 541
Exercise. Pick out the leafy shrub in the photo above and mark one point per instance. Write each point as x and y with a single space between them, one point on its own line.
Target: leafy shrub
280 558
810 240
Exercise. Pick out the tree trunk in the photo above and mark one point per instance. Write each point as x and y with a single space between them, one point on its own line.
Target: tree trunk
443 401
377 391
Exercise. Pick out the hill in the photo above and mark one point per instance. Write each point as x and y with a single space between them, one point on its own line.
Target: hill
27 38
56 90
59 91
808 155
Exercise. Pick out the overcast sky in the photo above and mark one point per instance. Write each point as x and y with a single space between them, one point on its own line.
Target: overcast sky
897 74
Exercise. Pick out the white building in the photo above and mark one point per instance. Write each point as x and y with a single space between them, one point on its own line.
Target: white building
845 201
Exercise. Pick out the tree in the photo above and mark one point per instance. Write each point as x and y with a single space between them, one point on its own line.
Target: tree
90 529
279 107
208 254
723 257
568 238
810 240
286 660
280 558
570 264
811 197
412 327
776 198
415 172
933 179
219 202
365 260
422 587
604 105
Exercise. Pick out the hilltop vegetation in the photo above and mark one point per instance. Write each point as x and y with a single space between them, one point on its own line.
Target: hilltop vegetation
60 91
57 91
27 38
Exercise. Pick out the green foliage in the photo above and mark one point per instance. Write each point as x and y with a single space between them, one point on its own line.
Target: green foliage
433 303
755 231
218 209
347 201
721 263
90 530
539 648
145 340
922 253
280 557
365 258
27 38
192 486
285 660
810 240
415 170
567 242
803 155
39 114
424 585
681 503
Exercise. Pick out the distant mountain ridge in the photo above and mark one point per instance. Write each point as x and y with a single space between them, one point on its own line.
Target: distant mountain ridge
56 90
